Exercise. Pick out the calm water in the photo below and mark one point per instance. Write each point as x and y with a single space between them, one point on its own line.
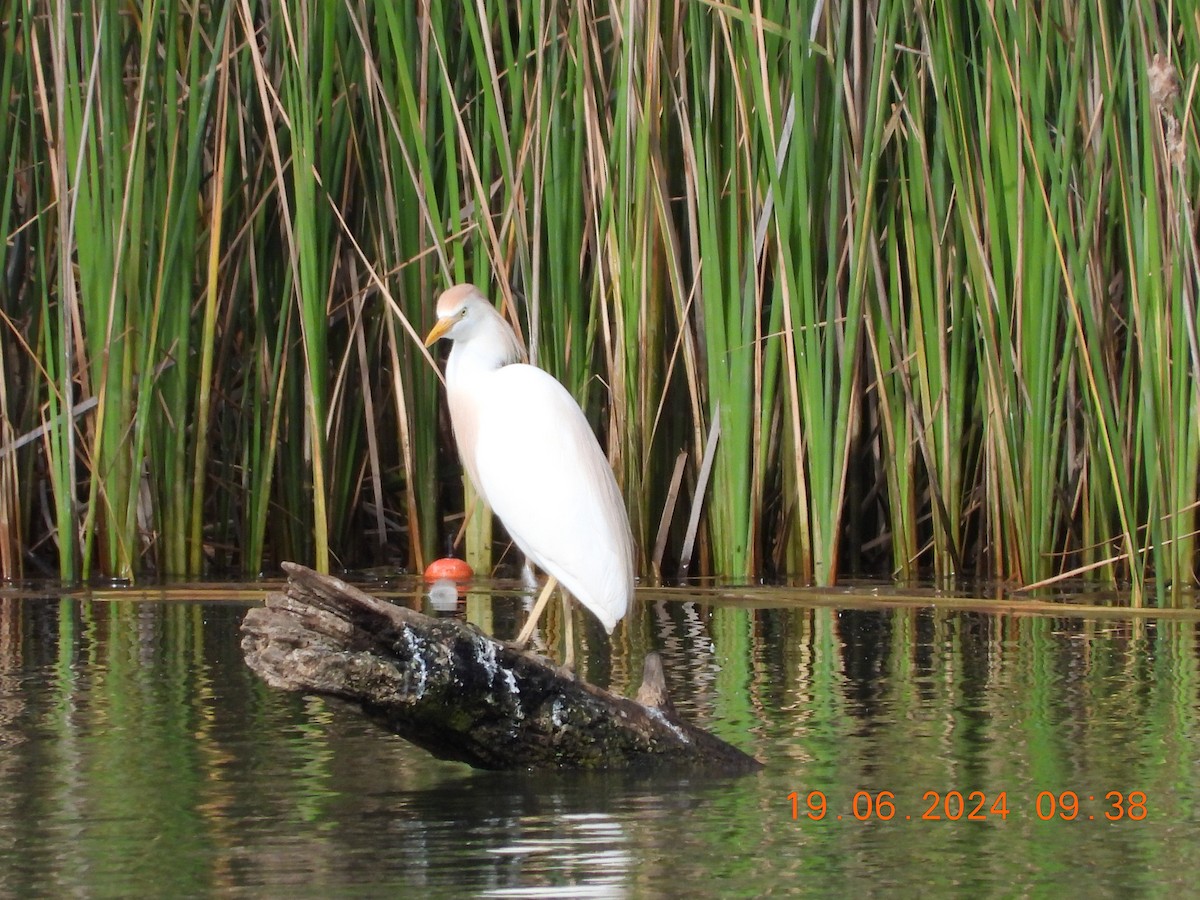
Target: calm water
139 756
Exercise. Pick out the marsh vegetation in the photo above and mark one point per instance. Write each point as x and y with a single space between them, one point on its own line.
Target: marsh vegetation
919 279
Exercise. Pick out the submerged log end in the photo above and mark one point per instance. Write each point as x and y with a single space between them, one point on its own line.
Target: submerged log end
653 692
461 694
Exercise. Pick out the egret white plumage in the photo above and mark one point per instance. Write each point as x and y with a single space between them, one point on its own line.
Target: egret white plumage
532 457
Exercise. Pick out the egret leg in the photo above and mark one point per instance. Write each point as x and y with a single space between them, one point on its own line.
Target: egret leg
569 631
536 612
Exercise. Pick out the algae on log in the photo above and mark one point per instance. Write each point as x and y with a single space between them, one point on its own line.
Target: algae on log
447 687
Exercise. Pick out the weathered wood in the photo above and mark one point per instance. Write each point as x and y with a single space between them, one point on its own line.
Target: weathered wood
460 694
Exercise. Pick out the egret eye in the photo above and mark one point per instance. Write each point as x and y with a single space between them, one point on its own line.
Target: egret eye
462 313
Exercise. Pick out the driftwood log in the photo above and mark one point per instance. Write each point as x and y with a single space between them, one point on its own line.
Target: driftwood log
447 687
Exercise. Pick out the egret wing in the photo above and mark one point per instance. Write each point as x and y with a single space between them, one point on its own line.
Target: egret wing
547 479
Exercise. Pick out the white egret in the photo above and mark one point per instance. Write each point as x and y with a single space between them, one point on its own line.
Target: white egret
533 459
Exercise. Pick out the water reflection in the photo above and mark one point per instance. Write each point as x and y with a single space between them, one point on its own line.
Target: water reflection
139 755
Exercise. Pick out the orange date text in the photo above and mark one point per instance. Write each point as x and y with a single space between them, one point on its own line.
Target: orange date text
973 806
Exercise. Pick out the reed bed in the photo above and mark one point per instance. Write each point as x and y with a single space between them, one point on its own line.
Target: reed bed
909 288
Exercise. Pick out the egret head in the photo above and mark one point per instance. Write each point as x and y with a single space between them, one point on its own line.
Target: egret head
455 310
464 316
